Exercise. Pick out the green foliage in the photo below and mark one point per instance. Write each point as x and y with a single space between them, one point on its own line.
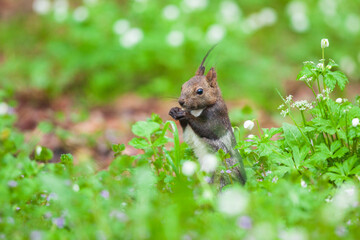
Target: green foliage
303 183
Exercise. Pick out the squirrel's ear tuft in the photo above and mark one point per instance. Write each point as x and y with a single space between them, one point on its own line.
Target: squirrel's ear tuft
211 77
200 71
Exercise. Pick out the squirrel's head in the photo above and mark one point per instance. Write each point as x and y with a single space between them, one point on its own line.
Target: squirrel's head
200 91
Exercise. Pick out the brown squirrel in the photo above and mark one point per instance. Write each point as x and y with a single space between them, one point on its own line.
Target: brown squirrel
206 124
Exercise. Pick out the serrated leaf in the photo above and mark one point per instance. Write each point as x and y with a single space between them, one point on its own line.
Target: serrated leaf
145 129
324 125
139 143
306 71
335 146
337 77
341 152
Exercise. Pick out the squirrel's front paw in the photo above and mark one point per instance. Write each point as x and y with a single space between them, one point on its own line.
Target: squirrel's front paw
177 113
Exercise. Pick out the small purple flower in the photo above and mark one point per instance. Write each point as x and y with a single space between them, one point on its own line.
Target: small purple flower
207 179
36 235
228 171
222 171
12 183
122 217
52 196
244 222
275 179
59 222
48 215
17 208
341 231
105 194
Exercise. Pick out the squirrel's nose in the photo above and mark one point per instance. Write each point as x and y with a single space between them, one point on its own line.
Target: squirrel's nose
181 102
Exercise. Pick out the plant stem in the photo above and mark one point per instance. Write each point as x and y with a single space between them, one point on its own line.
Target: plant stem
303 117
257 122
354 146
306 139
347 131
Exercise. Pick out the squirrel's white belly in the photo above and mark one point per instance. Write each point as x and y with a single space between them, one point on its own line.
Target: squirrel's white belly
200 147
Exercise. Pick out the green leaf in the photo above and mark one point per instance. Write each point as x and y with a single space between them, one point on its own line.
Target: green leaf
333 78
145 129
306 71
161 141
67 159
335 146
341 152
118 148
139 143
324 125
43 154
292 135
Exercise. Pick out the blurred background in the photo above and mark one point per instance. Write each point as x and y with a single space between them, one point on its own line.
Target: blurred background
94 67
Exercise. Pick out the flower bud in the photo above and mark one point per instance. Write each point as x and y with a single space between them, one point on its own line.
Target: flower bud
324 43
249 124
355 122
188 168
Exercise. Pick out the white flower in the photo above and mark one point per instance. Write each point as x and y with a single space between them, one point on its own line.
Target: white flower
355 122
38 150
4 108
324 43
249 124
320 65
81 14
171 12
60 10
76 188
303 184
229 12
251 136
302 105
319 96
195 4
288 99
281 106
267 16
121 26
346 197
339 100
233 201
189 168
175 38
284 113
215 33
328 7
131 37
41 6
298 18
208 163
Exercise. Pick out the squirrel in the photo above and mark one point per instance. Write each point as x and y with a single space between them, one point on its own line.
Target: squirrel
205 122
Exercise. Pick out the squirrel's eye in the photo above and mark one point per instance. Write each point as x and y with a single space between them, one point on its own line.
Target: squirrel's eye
200 91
